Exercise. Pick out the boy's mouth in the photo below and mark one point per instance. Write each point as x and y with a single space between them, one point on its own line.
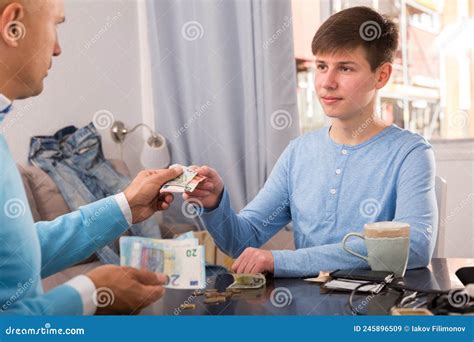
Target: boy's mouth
330 99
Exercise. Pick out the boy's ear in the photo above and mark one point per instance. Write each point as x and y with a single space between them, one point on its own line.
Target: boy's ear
383 75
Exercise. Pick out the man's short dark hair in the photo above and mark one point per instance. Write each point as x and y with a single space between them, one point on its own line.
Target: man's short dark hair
358 26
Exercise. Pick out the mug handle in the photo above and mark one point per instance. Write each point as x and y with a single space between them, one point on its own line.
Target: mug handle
351 251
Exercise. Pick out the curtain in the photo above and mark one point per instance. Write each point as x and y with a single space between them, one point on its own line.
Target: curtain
224 86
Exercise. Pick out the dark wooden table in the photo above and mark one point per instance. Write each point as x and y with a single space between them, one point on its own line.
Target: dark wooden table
299 297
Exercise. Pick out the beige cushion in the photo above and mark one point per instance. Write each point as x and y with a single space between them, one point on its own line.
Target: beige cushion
45 195
29 193
45 199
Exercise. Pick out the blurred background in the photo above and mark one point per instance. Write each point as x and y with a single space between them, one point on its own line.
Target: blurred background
431 88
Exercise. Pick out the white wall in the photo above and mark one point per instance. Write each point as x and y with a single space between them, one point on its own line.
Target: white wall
455 163
99 69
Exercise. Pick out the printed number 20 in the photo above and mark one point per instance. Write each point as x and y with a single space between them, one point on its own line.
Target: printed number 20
191 253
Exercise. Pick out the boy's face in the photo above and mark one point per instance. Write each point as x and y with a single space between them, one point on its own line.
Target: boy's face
345 84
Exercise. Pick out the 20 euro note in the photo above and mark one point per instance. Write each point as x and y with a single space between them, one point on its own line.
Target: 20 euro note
182 260
127 243
186 182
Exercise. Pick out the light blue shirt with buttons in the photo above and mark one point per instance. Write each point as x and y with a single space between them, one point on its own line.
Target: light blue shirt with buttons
328 190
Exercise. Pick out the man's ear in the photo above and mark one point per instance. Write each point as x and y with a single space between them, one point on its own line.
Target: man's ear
383 75
11 25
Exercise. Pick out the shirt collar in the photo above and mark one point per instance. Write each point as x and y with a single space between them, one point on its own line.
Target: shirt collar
5 106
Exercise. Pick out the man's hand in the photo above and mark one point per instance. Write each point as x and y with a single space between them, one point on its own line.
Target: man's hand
125 290
208 192
254 260
143 194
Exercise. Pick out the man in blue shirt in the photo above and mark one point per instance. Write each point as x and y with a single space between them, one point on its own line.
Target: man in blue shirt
29 251
332 181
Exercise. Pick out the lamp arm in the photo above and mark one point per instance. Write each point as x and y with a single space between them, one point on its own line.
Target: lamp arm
119 132
155 140
152 132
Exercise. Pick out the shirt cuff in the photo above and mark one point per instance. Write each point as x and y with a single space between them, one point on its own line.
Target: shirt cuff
124 207
86 288
282 265
222 201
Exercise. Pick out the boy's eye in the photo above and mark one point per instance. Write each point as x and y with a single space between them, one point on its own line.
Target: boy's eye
321 67
344 69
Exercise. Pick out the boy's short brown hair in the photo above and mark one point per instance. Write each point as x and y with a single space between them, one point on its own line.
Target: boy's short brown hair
354 27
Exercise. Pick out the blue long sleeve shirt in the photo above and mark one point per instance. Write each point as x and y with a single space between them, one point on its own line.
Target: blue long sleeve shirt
328 190
30 251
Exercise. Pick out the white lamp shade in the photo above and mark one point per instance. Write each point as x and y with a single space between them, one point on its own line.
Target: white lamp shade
156 157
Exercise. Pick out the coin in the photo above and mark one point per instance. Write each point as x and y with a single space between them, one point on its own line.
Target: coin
187 306
214 300
225 294
211 295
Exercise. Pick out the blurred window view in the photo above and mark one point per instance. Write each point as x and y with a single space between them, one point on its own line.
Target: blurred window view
431 88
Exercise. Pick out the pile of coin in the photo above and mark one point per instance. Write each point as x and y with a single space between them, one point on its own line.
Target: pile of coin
212 296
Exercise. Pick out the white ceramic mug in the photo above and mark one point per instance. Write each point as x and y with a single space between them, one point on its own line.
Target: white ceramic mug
388 246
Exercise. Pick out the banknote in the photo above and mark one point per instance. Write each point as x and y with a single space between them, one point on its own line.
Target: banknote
127 242
186 182
182 260
186 236
247 281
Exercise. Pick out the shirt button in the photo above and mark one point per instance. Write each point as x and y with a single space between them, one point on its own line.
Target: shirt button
344 152
333 191
338 171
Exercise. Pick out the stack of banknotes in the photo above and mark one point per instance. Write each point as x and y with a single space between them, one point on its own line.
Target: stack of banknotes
183 259
186 182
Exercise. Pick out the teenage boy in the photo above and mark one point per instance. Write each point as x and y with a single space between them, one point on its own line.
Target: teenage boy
334 180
